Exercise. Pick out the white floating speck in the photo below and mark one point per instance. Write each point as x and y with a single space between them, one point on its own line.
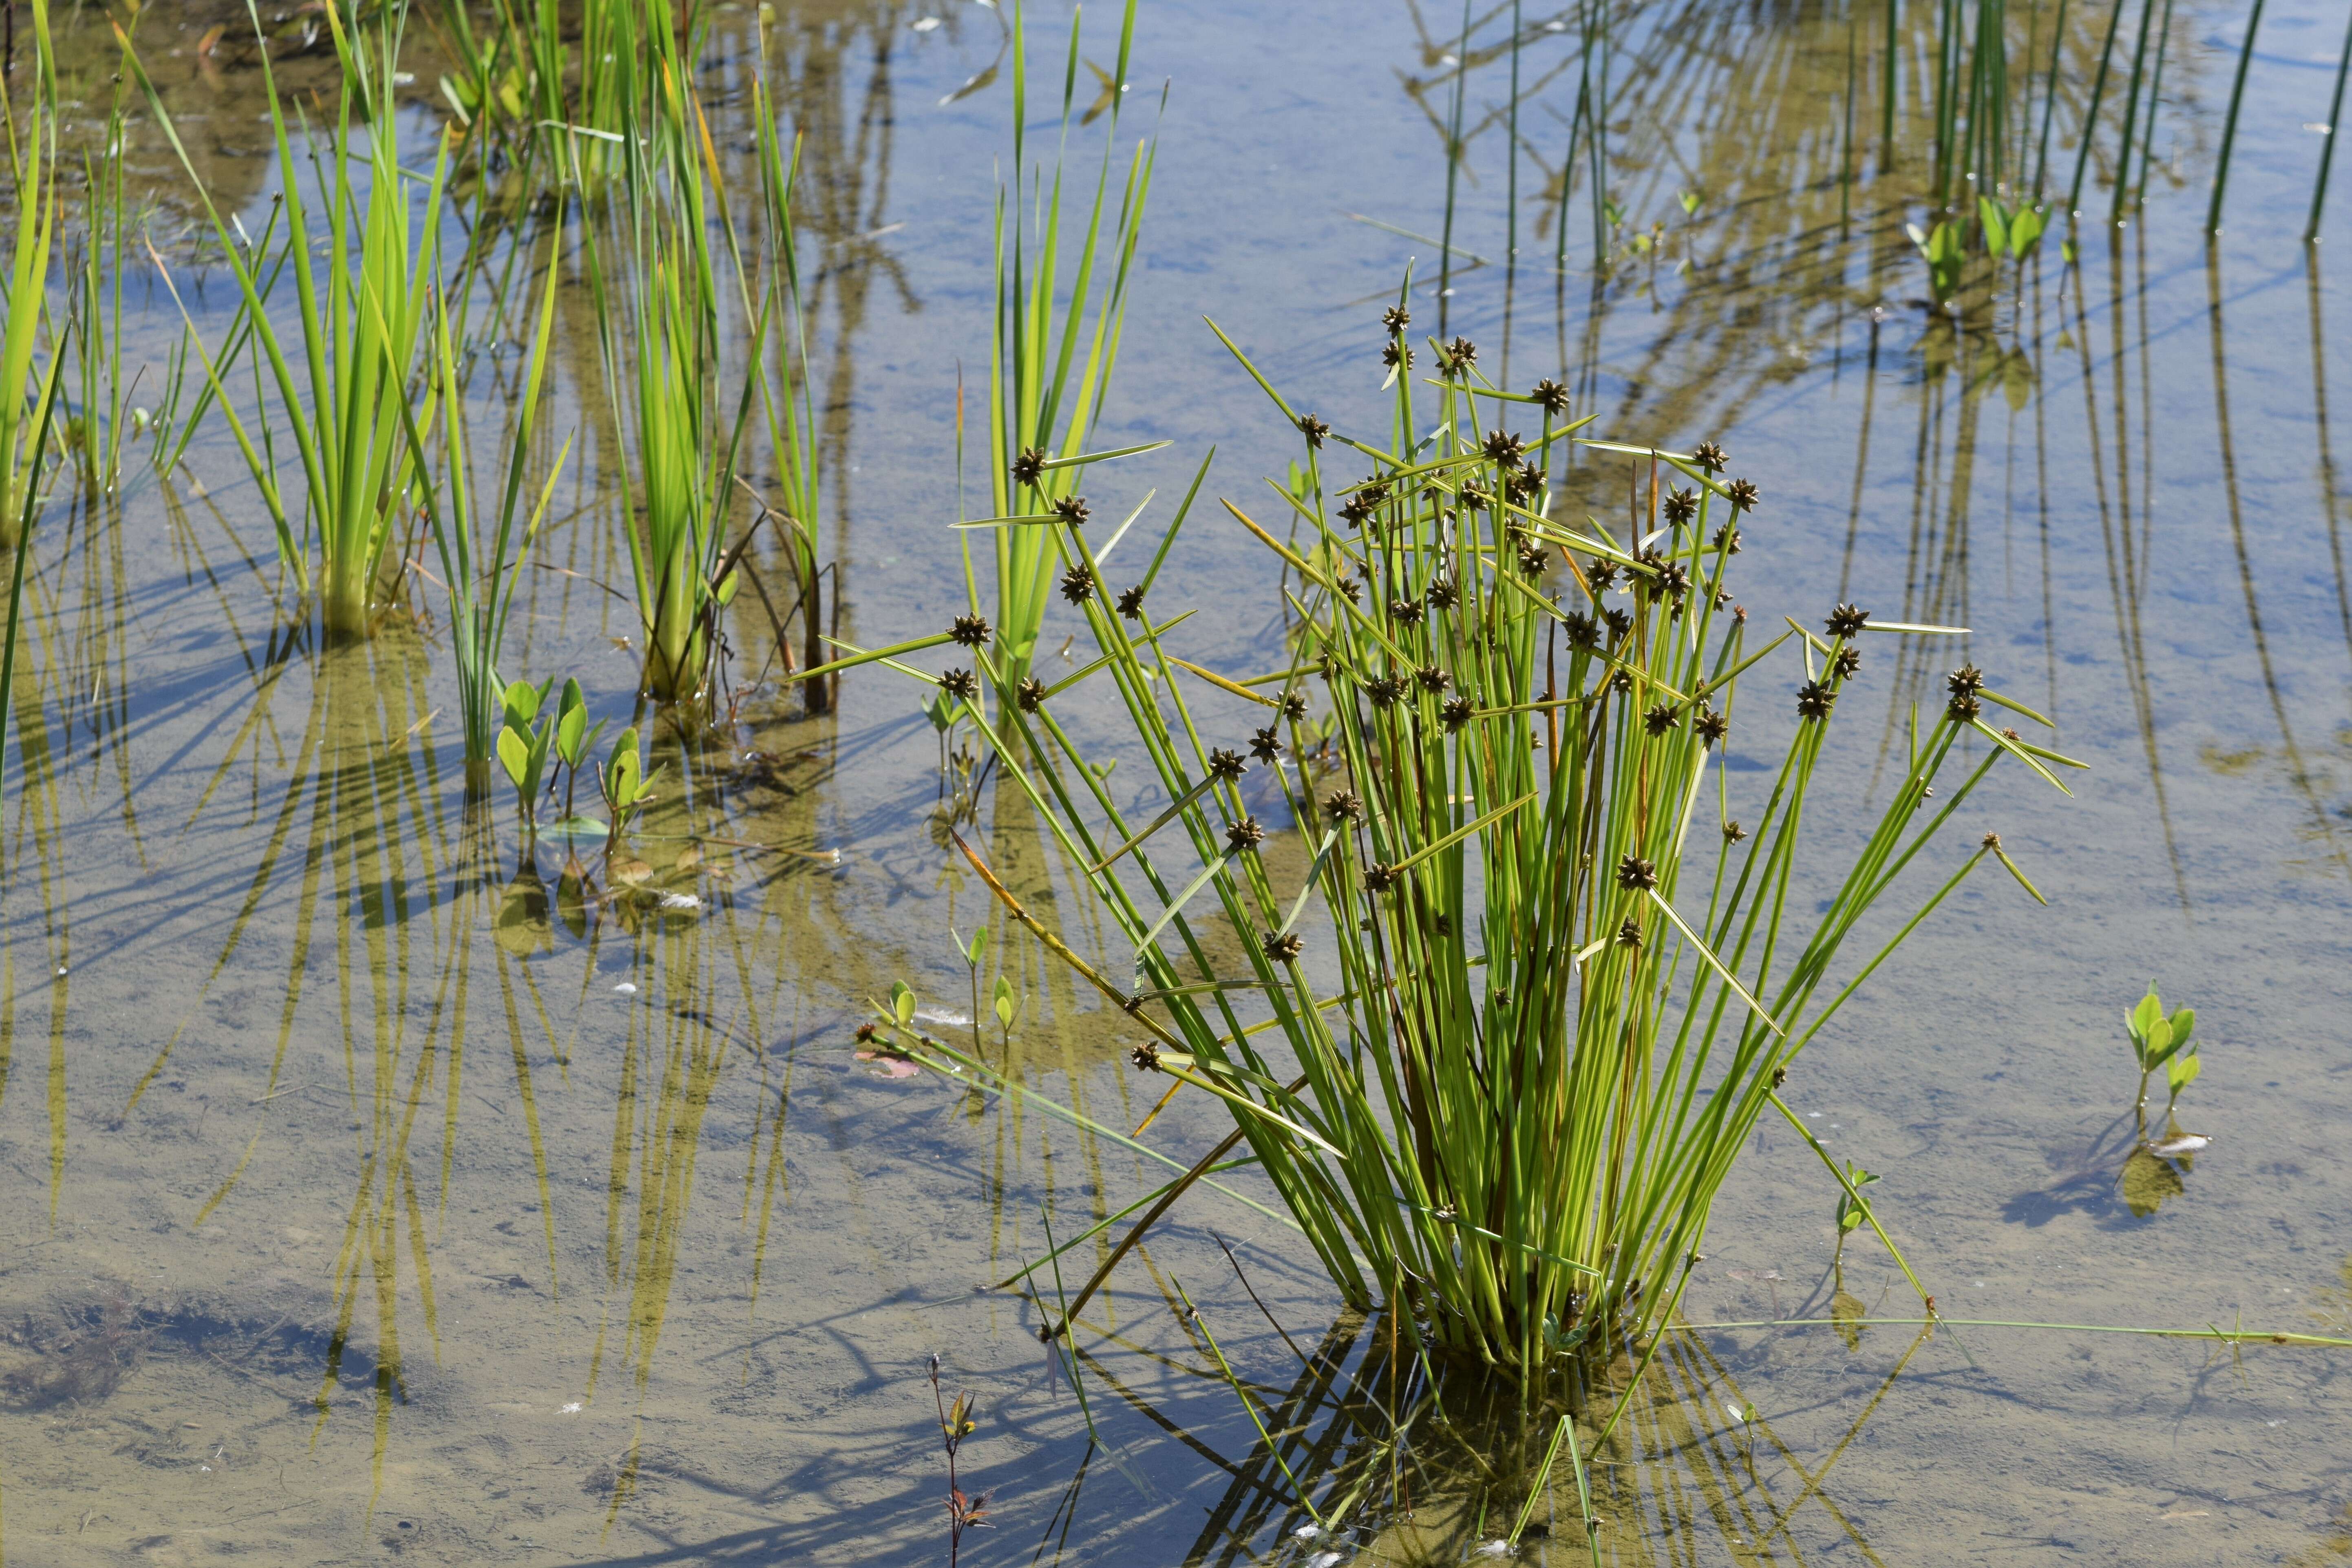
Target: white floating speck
574 1408
2187 1144
681 902
925 24
947 1017
627 988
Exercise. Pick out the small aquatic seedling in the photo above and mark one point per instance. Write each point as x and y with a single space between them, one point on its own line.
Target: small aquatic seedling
2161 1041
2007 233
956 1423
523 746
1940 249
573 737
625 783
1005 1002
1851 1209
975 953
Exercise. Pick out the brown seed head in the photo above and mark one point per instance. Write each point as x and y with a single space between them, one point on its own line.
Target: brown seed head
1709 456
1226 766
972 631
1079 585
1732 832
1814 700
1458 712
1680 507
1634 872
1504 447
1433 678
1072 510
1284 946
1031 695
1029 467
1264 744
959 683
1244 834
1314 429
1146 1058
1343 803
1551 396
1662 718
1846 620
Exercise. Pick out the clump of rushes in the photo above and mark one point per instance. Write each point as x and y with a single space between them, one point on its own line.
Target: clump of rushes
27 409
1048 377
661 343
1557 1001
362 282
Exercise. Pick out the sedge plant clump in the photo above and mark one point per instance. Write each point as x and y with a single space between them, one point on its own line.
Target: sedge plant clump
1498 1047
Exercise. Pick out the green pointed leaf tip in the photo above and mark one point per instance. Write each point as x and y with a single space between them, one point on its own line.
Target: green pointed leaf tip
2182 1024
515 757
571 731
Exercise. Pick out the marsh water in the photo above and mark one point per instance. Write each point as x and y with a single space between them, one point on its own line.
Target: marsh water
369 1194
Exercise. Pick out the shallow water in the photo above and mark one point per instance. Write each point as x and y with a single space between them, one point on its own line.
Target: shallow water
372 1197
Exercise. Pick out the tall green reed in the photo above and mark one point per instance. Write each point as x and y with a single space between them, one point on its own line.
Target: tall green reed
1044 398
1558 997
659 331
789 411
100 421
27 406
361 284
28 401
561 87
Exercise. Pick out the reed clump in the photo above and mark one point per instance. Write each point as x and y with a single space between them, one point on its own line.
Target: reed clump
357 256
1499 1048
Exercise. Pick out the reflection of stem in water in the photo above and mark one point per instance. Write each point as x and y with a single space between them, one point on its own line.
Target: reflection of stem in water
2123 577
2297 773
2331 501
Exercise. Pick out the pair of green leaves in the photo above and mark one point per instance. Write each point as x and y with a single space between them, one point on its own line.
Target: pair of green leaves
2162 1041
1940 249
529 735
1852 1210
2155 1037
2011 234
625 782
